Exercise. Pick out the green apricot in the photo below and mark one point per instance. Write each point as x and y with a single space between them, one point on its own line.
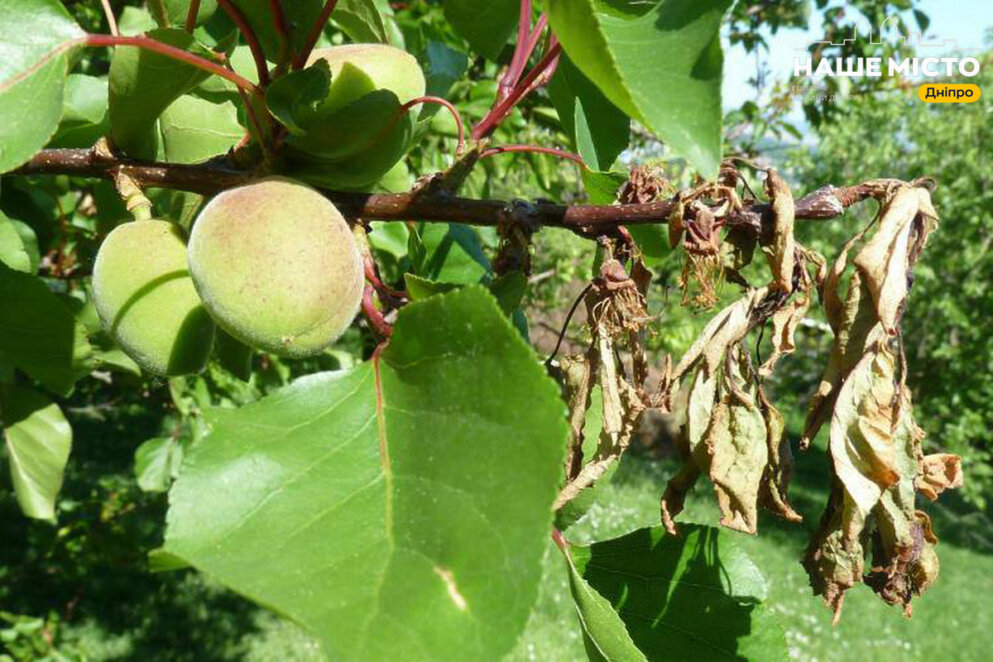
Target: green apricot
358 132
146 299
277 266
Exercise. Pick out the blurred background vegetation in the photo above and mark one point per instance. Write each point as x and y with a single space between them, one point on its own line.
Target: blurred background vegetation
81 590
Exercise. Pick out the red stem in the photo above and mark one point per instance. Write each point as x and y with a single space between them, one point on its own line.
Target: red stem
503 149
373 314
381 288
251 39
441 102
98 40
520 59
315 33
191 15
282 29
502 109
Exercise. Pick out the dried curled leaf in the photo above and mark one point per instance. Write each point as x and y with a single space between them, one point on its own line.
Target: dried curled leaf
779 464
781 259
938 472
861 442
616 313
875 443
907 219
731 431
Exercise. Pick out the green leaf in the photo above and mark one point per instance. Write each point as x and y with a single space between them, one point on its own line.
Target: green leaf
84 116
604 634
661 63
485 25
693 597
38 439
35 39
38 333
509 290
143 84
452 254
195 130
389 238
421 288
294 99
12 250
156 463
361 21
598 129
300 16
443 66
30 242
400 509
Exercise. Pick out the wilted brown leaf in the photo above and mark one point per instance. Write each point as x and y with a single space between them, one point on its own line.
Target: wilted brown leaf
781 259
885 259
938 472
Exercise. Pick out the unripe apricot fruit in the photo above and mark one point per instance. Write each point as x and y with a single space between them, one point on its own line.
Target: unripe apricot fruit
277 266
358 132
146 300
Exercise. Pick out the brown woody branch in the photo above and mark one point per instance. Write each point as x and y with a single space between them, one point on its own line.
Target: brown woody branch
210 178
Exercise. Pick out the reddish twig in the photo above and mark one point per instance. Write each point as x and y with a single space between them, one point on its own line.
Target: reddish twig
315 33
251 39
191 15
373 314
111 21
447 104
561 153
503 108
97 40
520 58
372 275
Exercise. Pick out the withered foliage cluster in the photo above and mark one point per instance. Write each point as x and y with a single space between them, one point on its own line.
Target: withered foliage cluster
730 430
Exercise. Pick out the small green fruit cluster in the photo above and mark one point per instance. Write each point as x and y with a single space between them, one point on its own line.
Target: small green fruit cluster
359 131
273 263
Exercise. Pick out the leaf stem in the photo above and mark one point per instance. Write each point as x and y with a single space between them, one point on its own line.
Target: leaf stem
191 15
111 21
373 315
561 153
496 115
520 58
98 40
315 33
451 109
251 39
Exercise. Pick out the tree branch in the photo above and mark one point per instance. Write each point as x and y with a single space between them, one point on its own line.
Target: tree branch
590 220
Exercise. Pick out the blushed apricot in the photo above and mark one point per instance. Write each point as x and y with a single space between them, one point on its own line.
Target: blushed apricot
277 266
